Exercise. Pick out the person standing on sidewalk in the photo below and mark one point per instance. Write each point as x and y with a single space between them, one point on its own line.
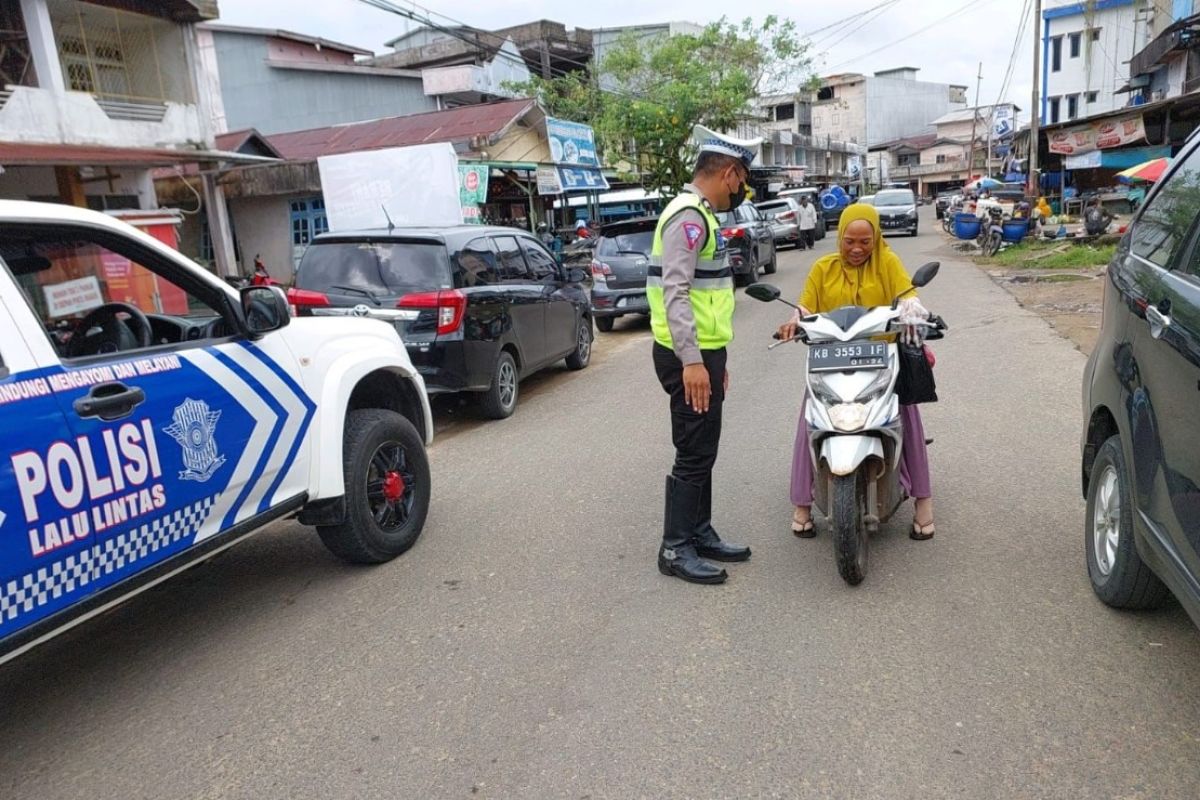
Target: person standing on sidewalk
808 223
689 287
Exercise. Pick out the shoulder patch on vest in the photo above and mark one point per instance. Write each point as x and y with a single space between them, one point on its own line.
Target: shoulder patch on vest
693 233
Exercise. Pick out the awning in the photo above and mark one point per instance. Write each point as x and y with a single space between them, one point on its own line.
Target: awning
73 155
1115 159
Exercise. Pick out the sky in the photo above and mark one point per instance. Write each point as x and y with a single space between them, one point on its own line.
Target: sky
945 39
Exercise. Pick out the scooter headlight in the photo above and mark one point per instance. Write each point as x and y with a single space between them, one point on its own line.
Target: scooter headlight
876 388
849 416
822 391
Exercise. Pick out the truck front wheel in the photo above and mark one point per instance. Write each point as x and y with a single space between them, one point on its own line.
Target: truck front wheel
386 473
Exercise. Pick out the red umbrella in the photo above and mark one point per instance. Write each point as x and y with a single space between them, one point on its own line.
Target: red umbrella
1149 171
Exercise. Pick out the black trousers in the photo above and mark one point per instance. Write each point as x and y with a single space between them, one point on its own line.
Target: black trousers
696 436
806 239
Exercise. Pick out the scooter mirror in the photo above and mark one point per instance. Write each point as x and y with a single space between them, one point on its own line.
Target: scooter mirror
763 291
926 273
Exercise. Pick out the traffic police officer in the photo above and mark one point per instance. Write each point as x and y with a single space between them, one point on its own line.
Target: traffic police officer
690 291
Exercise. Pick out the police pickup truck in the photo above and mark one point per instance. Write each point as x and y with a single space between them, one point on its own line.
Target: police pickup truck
151 416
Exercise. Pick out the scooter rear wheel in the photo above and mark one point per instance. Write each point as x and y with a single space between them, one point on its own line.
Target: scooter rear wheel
849 532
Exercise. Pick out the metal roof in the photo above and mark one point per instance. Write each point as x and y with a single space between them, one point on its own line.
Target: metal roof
455 125
289 35
13 154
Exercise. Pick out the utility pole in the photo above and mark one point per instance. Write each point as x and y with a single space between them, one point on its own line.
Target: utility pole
1034 111
974 121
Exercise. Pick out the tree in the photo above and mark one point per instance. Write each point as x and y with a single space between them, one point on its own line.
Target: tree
669 84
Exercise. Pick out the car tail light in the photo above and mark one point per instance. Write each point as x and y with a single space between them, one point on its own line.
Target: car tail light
303 299
450 304
601 271
787 216
732 233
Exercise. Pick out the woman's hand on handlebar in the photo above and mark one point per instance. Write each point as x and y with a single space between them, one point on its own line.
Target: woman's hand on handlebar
789 329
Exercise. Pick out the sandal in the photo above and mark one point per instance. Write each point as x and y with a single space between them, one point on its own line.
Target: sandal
921 532
803 528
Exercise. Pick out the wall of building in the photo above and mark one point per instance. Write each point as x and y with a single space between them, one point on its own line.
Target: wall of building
897 108
1101 65
275 100
263 226
130 185
949 151
843 118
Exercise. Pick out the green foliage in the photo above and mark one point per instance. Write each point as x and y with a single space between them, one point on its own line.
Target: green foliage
668 84
1053 255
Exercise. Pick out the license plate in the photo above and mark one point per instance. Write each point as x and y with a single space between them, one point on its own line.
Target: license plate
631 300
844 356
893 223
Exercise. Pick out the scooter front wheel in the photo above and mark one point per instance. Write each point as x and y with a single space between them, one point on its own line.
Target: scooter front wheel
849 532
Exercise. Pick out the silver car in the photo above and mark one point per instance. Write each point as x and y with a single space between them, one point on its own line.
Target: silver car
784 216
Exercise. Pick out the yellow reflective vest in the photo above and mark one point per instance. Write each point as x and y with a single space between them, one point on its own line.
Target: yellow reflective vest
711 290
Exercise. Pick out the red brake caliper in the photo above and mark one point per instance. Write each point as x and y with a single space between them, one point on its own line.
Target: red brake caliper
393 486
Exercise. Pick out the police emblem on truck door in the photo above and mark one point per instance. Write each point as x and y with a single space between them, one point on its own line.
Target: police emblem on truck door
193 427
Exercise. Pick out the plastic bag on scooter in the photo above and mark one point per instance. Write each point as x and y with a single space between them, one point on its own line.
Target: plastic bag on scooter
915 383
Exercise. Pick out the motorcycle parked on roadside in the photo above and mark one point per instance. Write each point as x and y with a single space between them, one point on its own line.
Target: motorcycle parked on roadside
853 414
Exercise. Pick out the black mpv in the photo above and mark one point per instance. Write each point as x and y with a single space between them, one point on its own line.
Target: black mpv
478 307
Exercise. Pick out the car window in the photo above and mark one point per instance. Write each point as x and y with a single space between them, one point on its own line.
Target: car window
540 262
902 197
376 267
727 218
626 243
1168 216
512 263
68 276
774 208
475 264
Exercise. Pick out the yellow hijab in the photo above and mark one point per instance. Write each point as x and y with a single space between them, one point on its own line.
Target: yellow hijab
832 283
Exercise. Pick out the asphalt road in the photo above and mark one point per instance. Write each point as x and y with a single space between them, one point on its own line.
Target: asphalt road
528 648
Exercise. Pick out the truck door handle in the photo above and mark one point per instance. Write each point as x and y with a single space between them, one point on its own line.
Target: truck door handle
1159 321
109 401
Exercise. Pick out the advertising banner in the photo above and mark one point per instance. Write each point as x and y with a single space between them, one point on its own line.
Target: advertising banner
1098 136
571 143
548 181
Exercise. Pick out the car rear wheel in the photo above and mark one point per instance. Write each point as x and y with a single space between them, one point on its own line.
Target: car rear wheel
583 345
605 324
770 267
1119 576
386 473
500 400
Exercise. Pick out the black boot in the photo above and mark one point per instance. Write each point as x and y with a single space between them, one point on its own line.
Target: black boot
708 543
677 556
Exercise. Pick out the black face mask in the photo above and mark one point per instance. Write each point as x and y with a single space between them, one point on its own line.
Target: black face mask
738 197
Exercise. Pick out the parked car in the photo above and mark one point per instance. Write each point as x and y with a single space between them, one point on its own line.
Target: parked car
749 241
478 307
814 199
155 415
619 264
897 210
1141 443
868 199
942 202
783 215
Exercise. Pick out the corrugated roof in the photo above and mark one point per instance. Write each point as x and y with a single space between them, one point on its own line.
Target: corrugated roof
455 125
278 33
234 141
14 154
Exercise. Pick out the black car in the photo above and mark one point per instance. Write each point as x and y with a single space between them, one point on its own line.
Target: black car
750 242
897 210
478 307
619 263
1141 388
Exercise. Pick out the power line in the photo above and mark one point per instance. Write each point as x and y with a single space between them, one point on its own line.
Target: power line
865 23
960 10
1012 59
850 18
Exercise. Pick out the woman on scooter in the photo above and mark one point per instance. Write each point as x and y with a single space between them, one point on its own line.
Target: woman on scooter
864 271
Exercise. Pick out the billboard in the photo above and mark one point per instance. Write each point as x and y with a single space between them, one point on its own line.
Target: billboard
416 185
571 143
1099 135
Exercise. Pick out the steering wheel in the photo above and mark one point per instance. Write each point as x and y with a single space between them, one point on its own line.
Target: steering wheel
114 335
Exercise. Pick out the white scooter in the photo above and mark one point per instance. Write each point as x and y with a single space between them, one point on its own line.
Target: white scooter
854 415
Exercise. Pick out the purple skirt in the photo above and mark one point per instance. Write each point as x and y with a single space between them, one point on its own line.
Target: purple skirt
914 460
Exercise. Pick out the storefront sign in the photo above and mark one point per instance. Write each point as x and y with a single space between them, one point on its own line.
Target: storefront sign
1003 124
582 179
473 183
1085 161
548 181
1098 136
571 143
